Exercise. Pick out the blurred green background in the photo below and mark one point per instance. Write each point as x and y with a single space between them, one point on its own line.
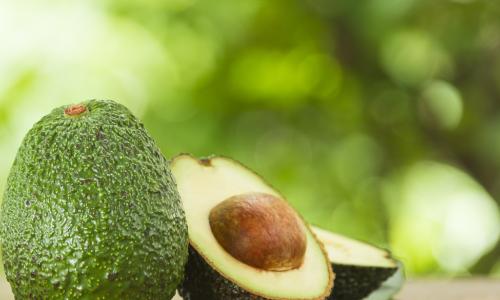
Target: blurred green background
379 119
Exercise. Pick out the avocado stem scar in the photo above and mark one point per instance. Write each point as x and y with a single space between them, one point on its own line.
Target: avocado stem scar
75 110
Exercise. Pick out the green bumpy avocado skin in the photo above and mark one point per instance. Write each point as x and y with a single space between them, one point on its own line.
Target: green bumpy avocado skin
91 210
357 282
202 282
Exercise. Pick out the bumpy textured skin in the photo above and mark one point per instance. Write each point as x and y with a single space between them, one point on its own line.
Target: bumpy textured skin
201 282
357 282
91 211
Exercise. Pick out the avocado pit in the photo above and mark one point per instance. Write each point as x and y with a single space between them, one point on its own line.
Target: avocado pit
260 230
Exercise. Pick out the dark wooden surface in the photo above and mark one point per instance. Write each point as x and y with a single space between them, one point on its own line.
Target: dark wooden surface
458 289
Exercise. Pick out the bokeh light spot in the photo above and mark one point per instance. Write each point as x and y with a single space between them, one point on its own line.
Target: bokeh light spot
412 57
441 105
444 218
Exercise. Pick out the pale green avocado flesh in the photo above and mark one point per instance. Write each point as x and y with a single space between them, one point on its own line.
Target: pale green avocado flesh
211 272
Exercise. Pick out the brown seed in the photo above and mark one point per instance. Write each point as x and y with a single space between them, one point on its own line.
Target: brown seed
260 230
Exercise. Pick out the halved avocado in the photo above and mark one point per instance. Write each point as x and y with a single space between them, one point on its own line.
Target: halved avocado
360 268
221 263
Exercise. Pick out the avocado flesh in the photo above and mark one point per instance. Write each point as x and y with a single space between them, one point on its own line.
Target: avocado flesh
211 272
91 210
359 267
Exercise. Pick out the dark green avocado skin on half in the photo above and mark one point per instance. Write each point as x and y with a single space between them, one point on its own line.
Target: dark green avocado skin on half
201 282
91 210
357 282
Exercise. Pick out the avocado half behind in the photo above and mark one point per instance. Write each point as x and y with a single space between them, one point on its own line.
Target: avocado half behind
211 272
390 287
91 210
360 268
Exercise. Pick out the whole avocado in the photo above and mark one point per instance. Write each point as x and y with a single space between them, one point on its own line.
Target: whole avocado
91 210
